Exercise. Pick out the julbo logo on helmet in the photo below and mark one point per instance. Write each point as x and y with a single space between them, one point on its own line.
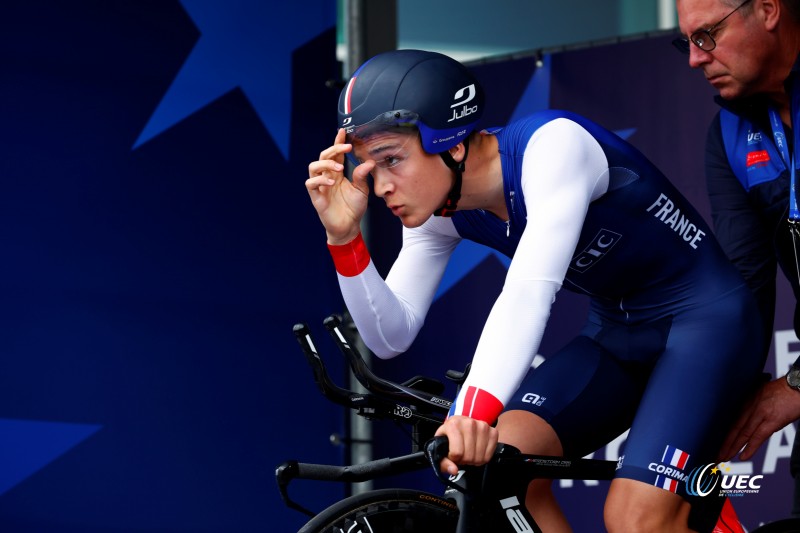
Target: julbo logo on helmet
429 91
465 110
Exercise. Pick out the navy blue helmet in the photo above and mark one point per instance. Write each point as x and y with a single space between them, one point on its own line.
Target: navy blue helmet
413 88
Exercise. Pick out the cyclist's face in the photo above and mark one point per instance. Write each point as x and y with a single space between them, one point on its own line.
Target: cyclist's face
412 182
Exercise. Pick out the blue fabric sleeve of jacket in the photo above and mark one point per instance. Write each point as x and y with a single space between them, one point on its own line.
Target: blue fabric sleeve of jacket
739 228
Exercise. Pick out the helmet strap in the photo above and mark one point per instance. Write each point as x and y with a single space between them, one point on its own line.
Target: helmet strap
451 203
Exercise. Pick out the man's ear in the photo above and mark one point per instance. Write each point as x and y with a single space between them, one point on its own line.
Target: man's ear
770 13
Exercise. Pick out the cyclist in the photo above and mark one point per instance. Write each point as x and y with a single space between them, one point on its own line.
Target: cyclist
668 347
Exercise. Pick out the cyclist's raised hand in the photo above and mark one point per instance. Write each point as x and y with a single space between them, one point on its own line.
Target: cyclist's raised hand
339 202
472 442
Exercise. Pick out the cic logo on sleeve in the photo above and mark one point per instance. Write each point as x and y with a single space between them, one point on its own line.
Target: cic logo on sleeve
595 251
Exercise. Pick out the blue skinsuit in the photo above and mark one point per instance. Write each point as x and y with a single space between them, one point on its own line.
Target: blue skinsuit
670 347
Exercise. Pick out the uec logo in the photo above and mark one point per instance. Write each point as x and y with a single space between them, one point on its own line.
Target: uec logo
702 480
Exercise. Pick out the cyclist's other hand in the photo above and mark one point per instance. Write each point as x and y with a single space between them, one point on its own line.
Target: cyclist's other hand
340 203
471 442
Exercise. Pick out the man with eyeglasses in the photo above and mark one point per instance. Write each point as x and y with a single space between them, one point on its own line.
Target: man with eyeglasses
749 52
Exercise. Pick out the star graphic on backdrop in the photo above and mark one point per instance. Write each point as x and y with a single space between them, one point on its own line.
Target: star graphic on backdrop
466 257
469 255
247 45
27 446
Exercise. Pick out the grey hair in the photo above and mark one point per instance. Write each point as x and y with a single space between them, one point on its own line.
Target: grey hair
745 10
792 6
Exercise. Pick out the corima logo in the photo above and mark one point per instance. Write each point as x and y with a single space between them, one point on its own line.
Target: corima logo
595 251
670 468
462 97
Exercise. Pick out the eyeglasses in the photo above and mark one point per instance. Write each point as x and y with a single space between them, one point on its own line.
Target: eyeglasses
702 38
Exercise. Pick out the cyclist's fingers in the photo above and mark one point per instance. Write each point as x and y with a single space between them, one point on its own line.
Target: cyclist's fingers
339 148
480 441
361 173
472 442
485 444
448 467
324 165
455 441
335 152
340 136
461 435
313 184
491 444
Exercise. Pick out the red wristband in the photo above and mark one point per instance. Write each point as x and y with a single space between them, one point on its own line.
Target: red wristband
478 404
350 259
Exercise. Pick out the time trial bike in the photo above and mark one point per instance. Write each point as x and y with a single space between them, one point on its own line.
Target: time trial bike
478 499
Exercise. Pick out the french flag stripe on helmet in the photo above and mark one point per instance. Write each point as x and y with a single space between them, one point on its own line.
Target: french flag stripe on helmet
675 457
348 108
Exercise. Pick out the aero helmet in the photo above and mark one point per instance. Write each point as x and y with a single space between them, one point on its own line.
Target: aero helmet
428 90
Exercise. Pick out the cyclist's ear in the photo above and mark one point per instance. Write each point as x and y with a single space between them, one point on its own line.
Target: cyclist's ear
458 152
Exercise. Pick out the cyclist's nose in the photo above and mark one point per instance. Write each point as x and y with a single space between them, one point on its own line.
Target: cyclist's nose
383 184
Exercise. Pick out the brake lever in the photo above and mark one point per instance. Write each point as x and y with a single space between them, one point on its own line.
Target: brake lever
437 449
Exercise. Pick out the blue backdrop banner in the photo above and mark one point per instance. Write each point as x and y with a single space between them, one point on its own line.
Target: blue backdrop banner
158 245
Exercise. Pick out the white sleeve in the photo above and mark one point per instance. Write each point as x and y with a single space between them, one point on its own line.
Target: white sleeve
389 314
563 170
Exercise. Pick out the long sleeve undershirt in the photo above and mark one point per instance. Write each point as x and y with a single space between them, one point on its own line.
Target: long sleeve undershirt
564 169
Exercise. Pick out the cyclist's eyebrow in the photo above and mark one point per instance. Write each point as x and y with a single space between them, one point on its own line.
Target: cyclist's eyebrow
383 148
377 151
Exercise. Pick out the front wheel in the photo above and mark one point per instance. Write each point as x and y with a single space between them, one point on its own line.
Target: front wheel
386 511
